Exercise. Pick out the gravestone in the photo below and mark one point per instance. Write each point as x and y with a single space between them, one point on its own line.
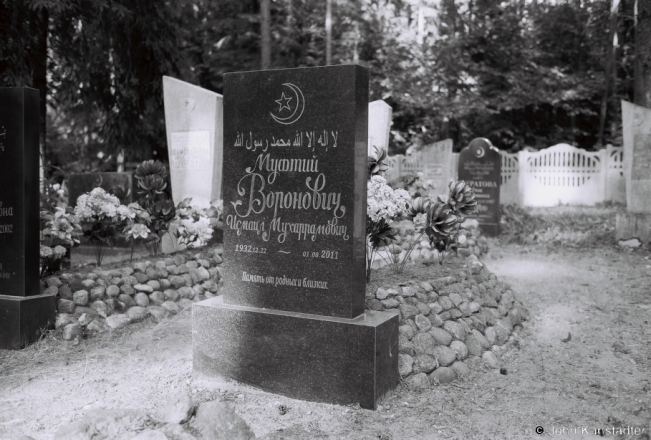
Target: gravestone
437 158
292 319
480 165
24 312
636 223
193 122
379 125
82 183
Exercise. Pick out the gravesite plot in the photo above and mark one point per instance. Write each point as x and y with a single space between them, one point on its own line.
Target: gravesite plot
376 236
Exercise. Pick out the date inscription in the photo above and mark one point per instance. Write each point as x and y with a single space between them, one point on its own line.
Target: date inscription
250 249
333 255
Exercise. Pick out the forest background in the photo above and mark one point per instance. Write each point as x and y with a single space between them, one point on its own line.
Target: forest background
523 73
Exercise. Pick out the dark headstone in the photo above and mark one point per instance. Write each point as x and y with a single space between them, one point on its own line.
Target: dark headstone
332 360
23 311
115 183
480 165
292 320
296 138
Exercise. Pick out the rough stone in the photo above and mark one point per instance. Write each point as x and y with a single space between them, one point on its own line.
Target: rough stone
435 320
390 303
183 268
171 307
407 311
185 303
211 286
405 346
63 319
157 298
179 409
491 335
482 339
381 293
52 290
154 284
474 306
418 381
158 313
142 299
455 313
98 326
443 375
143 288
424 363
137 313
374 304
490 359
444 355
87 318
435 307
177 281
423 343
65 306
101 308
461 369
216 420
460 349
408 291
171 295
405 364
96 293
117 321
406 330
186 292
441 337
140 266
473 345
127 300
127 289
88 283
71 331
422 323
445 303
151 273
80 297
164 283
456 299
53 282
65 292
457 330
423 308
427 287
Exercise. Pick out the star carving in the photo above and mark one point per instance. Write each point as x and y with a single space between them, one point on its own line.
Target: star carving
283 102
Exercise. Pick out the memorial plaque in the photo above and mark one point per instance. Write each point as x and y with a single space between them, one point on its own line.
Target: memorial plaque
379 125
636 123
480 165
294 205
82 183
193 121
436 159
23 311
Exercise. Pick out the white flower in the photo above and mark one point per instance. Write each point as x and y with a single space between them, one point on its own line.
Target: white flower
59 251
138 230
385 203
46 252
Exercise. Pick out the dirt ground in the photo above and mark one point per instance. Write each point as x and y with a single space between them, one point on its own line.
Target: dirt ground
599 379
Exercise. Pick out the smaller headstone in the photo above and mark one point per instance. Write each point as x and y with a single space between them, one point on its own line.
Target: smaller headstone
194 126
436 159
379 125
480 165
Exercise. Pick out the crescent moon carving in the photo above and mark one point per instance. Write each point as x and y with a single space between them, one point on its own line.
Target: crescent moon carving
300 103
480 152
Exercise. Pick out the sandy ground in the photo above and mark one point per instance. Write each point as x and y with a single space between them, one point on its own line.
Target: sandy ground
599 379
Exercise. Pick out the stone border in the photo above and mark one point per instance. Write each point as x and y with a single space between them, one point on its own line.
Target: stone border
448 320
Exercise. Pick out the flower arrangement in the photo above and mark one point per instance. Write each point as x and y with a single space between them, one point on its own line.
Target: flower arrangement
154 198
136 229
61 232
101 216
193 226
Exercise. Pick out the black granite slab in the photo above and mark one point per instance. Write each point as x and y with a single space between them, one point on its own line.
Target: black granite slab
308 357
82 183
19 192
480 165
23 319
294 185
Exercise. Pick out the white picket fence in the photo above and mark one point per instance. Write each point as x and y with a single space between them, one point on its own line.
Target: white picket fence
561 174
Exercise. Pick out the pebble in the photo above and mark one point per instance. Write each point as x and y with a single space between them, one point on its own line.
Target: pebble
141 299
171 307
424 343
422 323
217 420
71 331
98 325
101 308
185 303
490 359
80 297
418 381
443 375
461 369
405 364
444 355
137 313
63 319
127 300
474 346
179 409
117 321
460 349
158 313
441 336
457 330
143 288
424 363
65 306
157 298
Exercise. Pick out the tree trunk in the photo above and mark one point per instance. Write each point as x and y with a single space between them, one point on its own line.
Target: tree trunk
642 85
328 26
609 65
265 34
38 60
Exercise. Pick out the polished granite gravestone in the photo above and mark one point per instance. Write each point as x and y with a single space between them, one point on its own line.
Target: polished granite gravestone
480 165
436 159
24 312
292 320
194 127
636 128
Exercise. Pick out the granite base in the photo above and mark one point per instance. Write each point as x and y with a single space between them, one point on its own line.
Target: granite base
633 226
22 319
302 356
